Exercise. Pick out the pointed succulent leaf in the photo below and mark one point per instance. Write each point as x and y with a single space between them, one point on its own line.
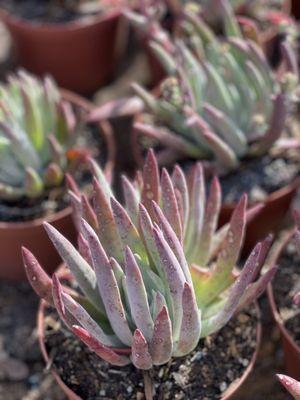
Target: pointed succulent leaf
191 323
212 211
161 344
108 232
137 295
116 108
97 347
174 277
108 287
57 293
236 291
88 212
169 204
33 185
151 182
158 303
140 355
127 231
132 199
172 240
83 273
86 321
37 277
221 275
197 208
103 182
256 289
291 385
180 184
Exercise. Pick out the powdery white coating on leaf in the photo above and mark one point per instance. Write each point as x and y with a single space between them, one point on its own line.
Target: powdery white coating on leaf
161 344
140 355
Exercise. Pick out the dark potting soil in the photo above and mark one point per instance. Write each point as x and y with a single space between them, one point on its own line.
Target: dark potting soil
285 285
258 178
52 11
205 374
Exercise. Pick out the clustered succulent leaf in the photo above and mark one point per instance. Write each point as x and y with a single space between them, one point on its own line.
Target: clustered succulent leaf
37 128
156 274
221 99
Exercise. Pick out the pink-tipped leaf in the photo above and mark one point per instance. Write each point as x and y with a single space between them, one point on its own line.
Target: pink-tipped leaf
97 347
126 229
190 329
140 355
37 277
172 240
132 199
108 286
108 232
161 344
291 385
151 182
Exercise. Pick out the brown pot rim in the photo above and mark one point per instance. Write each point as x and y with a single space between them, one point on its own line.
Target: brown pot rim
232 389
75 25
271 297
87 106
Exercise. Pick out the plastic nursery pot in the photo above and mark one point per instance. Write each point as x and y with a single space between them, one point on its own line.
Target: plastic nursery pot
290 349
230 393
80 55
269 219
31 234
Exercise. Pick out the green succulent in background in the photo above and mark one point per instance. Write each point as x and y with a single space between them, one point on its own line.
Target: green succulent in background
37 129
251 7
221 100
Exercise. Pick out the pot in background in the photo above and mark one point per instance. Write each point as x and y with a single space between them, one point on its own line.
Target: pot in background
81 55
290 349
31 234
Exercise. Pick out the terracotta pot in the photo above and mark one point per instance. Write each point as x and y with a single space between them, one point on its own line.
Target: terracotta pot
269 219
290 348
228 395
80 55
31 234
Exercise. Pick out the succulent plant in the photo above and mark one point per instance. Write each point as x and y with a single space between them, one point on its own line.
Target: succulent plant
156 275
37 130
221 100
252 7
291 385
